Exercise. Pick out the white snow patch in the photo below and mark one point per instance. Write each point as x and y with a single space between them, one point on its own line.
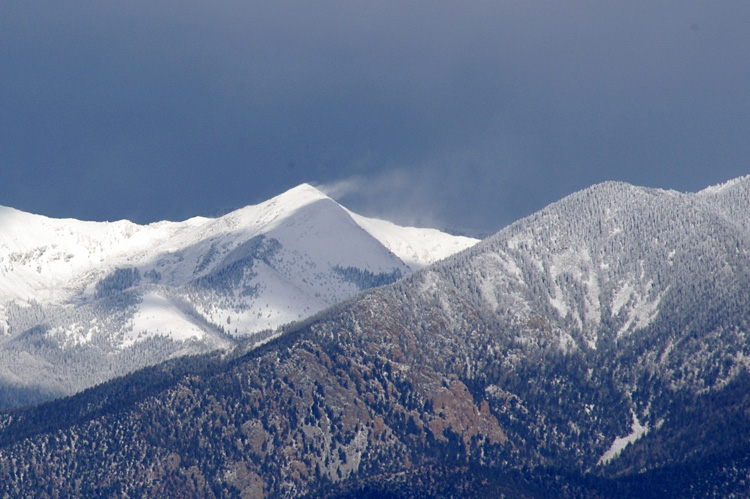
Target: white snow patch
75 334
593 301
512 268
417 247
157 316
621 298
4 324
637 431
567 343
578 265
521 239
279 301
670 257
497 274
488 288
571 262
557 302
642 309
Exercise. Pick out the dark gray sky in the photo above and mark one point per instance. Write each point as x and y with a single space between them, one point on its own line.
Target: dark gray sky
466 115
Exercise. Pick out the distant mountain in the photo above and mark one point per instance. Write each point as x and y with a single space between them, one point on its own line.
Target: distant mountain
81 302
597 348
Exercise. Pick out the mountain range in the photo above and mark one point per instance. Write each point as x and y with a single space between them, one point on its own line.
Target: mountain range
597 348
82 302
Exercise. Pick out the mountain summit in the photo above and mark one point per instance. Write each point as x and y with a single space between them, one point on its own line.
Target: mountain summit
111 297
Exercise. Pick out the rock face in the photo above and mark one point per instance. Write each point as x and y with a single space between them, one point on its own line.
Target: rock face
595 349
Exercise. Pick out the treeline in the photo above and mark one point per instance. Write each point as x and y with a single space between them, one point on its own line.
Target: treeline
117 281
364 279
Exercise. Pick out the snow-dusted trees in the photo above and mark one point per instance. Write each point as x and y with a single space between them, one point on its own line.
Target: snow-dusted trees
117 281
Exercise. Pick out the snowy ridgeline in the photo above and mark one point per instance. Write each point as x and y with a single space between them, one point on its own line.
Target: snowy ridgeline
69 288
602 261
591 315
573 339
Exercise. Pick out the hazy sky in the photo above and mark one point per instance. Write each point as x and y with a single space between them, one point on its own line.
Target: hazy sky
466 115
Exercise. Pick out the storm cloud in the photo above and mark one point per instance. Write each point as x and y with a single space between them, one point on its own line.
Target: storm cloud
462 115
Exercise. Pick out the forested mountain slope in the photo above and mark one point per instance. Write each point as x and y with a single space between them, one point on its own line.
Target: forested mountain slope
595 349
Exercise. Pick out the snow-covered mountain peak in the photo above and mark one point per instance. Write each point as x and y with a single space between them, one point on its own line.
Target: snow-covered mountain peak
303 190
295 198
268 214
306 208
603 260
169 288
